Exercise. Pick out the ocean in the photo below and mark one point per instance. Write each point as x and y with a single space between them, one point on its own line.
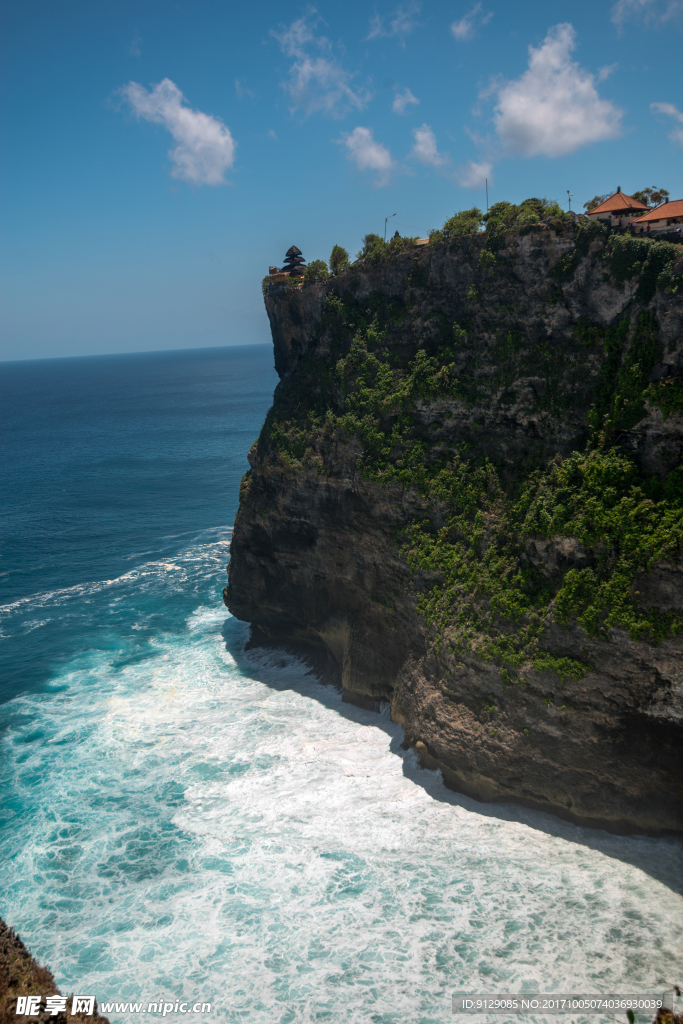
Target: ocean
183 820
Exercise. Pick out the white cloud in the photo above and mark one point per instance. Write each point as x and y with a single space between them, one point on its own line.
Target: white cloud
242 90
425 149
400 23
473 175
470 22
676 133
367 154
554 107
316 83
321 85
294 40
651 12
403 100
205 150
133 49
605 71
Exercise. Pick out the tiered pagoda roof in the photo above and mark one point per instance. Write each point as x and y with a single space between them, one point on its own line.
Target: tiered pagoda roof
294 262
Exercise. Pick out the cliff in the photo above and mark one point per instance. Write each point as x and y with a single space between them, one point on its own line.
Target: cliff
21 975
468 498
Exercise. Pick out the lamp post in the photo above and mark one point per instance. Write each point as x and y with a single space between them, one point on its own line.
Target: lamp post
385 224
569 199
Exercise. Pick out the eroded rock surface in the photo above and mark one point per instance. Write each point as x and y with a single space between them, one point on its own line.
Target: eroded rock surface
317 556
21 975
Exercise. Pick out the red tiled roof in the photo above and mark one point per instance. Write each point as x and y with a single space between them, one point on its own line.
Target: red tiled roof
618 203
672 209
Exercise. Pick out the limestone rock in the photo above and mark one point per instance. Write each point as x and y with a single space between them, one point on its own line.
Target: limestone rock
314 558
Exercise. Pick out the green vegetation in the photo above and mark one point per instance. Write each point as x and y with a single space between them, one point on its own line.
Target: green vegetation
339 260
668 395
293 283
376 250
626 522
466 222
507 218
625 256
596 201
316 271
653 262
651 196
370 242
471 548
622 381
587 232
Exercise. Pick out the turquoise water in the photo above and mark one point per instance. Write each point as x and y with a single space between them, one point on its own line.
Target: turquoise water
182 820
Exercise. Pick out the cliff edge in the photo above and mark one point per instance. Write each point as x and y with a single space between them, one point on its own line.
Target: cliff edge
22 976
468 498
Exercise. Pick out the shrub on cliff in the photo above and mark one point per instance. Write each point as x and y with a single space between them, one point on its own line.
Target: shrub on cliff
374 249
653 261
507 218
502 219
400 242
339 260
565 268
472 544
316 271
466 222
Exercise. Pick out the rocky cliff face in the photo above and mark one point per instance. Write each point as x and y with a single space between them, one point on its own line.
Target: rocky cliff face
21 975
467 498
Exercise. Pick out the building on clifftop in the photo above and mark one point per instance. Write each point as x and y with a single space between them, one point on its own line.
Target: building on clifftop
668 217
294 262
619 210
295 266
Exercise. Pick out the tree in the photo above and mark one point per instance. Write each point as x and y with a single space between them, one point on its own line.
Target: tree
508 218
595 201
466 222
372 244
316 271
531 211
652 196
339 260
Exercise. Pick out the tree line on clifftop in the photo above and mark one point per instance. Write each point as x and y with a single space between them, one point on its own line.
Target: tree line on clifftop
502 219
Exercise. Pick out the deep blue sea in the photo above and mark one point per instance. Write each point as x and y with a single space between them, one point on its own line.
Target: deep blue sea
182 820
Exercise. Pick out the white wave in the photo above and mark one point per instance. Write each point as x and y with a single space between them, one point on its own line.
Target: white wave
209 826
203 555
35 624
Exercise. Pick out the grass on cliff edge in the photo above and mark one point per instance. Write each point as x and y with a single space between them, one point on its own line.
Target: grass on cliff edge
21 975
473 538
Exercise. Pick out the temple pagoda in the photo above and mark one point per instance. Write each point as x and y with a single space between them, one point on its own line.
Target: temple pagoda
294 262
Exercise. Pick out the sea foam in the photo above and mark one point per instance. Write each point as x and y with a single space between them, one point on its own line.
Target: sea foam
188 821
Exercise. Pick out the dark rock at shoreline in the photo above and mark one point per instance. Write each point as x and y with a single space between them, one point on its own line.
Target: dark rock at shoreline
21 975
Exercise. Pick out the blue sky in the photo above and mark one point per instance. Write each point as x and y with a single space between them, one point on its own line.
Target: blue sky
157 157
